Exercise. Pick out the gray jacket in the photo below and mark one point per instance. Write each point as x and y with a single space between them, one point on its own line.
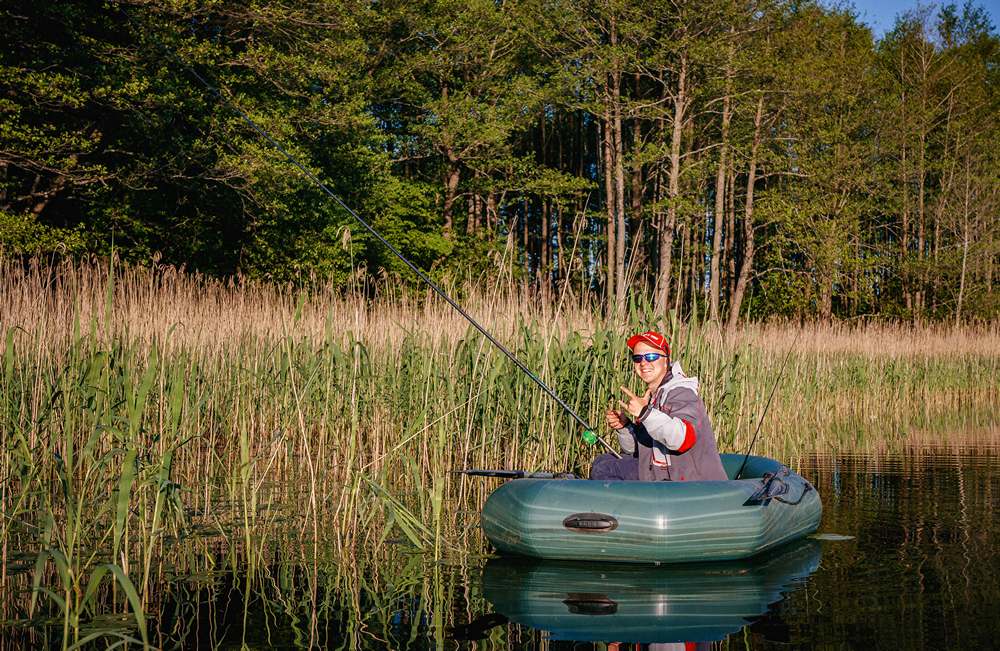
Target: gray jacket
673 437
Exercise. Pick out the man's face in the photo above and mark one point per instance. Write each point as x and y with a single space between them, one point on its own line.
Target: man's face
650 372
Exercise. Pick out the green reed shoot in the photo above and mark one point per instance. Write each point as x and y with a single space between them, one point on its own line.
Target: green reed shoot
185 423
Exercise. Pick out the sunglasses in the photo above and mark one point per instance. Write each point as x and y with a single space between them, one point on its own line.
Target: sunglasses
649 357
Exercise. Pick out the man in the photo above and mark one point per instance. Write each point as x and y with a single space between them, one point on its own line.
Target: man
671 437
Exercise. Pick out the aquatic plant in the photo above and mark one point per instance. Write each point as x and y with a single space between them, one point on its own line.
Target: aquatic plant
158 423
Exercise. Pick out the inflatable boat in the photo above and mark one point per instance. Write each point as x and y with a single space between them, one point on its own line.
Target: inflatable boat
654 522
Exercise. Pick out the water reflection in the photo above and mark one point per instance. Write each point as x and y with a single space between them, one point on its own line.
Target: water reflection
913 563
636 603
923 569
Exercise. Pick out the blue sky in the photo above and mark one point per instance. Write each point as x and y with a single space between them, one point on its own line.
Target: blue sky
881 14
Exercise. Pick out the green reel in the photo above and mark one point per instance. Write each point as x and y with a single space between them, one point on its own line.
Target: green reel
589 437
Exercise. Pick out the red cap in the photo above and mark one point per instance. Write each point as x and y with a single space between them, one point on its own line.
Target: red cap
651 337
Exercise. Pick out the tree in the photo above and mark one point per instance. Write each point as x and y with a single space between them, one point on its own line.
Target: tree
745 157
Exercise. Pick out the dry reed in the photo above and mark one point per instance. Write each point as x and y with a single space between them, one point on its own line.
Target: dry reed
167 405
200 311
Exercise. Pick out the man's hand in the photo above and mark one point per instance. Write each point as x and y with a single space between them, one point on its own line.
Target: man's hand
616 419
635 404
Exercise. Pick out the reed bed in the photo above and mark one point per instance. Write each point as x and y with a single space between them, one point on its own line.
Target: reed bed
160 423
198 311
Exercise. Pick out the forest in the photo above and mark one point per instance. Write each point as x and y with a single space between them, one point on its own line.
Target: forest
729 159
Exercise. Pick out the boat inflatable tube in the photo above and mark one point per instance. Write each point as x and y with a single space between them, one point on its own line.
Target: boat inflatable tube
654 522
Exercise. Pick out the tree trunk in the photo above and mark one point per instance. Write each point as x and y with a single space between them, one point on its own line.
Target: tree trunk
526 240
609 204
491 210
544 264
921 225
559 260
659 220
965 243
696 257
904 239
748 243
730 241
679 283
667 231
4 204
717 215
451 192
470 217
944 193
451 179
619 170
635 206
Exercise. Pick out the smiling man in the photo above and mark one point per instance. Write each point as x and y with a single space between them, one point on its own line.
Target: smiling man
671 437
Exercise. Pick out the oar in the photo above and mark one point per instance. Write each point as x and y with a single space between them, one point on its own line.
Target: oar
514 474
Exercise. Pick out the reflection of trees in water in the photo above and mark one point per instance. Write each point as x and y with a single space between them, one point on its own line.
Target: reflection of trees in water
922 570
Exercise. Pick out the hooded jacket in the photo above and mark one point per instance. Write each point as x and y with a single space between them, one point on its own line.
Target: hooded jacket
673 437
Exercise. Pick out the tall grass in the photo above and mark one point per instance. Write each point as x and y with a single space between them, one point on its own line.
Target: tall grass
158 422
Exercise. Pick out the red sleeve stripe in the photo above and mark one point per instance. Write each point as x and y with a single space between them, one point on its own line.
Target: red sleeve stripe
689 438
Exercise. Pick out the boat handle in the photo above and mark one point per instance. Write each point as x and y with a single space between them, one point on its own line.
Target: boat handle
808 487
591 522
584 603
767 490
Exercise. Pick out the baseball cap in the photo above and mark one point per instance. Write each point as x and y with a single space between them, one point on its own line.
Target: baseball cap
651 337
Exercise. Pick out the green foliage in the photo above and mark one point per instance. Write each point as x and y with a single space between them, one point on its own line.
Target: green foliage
25 235
405 216
456 127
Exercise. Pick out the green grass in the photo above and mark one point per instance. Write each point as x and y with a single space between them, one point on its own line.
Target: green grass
148 434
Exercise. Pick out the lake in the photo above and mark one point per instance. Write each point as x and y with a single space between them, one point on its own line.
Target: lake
908 557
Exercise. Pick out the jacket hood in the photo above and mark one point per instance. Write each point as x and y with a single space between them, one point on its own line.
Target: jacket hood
678 380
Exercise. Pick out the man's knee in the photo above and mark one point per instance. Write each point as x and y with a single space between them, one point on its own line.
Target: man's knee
602 467
608 466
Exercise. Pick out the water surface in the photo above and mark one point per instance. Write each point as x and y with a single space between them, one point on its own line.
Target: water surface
909 558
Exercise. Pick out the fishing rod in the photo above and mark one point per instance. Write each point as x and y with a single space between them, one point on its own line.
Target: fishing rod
589 435
514 474
760 422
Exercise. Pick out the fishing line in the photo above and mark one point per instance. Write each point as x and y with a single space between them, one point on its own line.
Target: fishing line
781 372
263 133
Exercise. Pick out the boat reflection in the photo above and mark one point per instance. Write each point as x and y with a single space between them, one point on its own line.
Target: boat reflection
638 603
